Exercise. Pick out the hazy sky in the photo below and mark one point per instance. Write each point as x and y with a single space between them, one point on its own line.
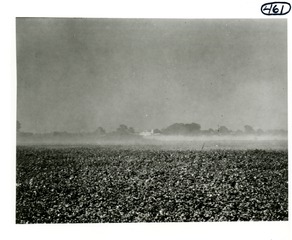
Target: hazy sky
78 74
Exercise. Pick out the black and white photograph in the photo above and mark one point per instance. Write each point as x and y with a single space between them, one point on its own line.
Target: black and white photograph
151 120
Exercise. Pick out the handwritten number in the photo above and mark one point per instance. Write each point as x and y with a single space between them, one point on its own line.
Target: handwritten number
268 9
275 9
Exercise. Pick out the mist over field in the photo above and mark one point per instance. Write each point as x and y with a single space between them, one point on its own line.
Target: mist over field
175 136
165 141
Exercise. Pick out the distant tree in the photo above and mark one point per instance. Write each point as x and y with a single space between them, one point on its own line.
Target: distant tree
100 131
18 126
182 129
175 129
125 130
249 129
122 129
56 133
278 132
193 127
223 130
131 130
211 131
156 131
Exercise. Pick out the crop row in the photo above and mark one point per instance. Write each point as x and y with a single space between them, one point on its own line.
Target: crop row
128 184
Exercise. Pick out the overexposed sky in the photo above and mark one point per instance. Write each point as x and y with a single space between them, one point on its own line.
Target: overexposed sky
78 74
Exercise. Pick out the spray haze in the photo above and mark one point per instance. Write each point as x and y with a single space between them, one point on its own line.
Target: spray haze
75 75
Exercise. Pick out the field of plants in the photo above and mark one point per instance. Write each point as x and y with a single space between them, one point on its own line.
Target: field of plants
94 184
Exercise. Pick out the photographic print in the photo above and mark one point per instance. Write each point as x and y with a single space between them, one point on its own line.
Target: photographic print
151 120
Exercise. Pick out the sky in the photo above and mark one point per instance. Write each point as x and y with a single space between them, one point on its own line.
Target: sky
78 74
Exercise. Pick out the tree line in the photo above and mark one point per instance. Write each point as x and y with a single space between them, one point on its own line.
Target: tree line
185 129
